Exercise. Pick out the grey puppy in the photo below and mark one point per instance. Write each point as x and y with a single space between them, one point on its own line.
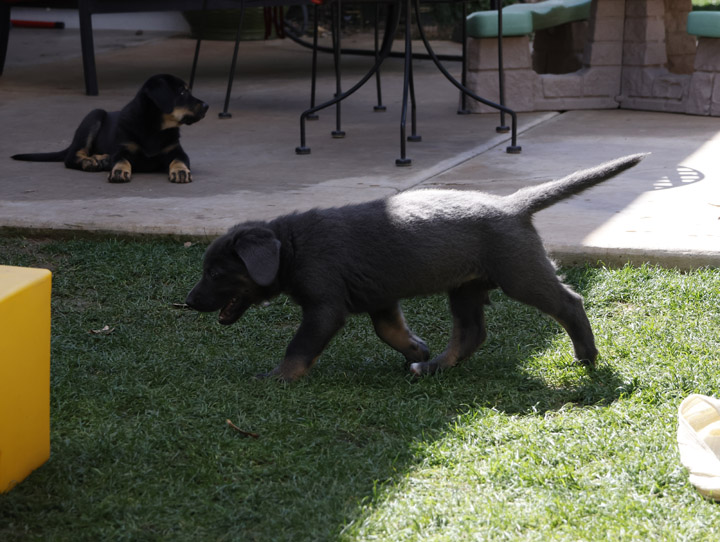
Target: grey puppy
366 257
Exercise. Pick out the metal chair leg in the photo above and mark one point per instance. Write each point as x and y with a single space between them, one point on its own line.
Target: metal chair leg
88 48
404 160
337 6
502 129
514 148
393 18
203 25
463 110
224 114
379 106
4 32
313 82
414 137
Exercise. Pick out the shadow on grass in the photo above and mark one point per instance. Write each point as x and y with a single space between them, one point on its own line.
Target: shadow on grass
140 447
359 420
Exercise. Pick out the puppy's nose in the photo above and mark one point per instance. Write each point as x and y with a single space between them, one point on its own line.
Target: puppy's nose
204 107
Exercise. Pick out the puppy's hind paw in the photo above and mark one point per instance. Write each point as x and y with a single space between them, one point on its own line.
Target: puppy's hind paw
274 375
420 350
587 363
586 357
98 162
424 368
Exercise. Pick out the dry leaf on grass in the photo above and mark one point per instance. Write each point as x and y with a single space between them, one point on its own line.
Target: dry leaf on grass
105 330
236 428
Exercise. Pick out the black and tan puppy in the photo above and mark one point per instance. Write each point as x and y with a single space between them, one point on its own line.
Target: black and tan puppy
366 257
144 136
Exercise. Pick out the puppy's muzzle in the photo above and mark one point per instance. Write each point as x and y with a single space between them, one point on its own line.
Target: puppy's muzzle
200 301
197 113
230 309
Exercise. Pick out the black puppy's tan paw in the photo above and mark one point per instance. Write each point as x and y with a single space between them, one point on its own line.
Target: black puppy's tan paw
119 176
181 177
88 164
103 161
97 162
179 172
121 172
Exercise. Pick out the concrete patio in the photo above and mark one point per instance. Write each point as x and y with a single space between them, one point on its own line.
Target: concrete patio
666 210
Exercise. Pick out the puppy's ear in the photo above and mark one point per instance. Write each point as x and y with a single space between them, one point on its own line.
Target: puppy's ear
160 93
259 249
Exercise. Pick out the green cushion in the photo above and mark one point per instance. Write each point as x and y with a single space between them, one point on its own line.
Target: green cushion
556 12
521 19
484 24
705 24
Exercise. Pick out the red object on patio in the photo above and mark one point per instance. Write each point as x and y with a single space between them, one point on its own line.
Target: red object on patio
36 24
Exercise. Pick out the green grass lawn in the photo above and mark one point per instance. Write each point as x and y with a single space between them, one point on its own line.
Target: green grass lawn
706 4
518 443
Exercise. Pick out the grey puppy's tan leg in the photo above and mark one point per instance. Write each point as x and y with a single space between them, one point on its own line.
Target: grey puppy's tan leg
390 326
467 306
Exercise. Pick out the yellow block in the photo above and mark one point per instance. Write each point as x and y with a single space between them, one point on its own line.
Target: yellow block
24 372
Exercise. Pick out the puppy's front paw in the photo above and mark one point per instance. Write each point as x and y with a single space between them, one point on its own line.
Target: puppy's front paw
274 374
419 350
263 376
288 370
181 177
179 172
119 176
121 172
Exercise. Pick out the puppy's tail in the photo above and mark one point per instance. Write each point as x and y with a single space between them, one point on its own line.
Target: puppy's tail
58 156
536 198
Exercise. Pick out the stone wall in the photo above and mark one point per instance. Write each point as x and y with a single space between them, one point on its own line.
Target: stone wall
594 86
637 55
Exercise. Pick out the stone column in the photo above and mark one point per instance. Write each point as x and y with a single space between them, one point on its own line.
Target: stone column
680 45
605 36
646 81
704 95
520 79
